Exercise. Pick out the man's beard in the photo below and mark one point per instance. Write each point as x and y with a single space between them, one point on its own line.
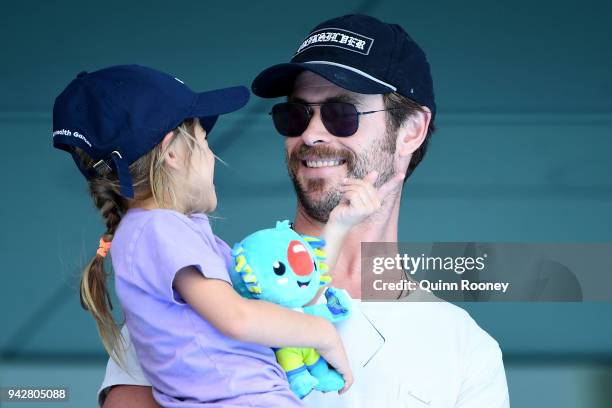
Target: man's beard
377 156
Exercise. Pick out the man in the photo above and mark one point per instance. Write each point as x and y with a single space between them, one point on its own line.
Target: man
360 98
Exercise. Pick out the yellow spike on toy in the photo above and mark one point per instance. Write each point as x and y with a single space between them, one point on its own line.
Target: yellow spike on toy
320 253
254 289
325 278
248 269
323 267
249 278
240 261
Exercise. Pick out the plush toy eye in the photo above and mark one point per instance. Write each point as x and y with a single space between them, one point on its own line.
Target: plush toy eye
279 268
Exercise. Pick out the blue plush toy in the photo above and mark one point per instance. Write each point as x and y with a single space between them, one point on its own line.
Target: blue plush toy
280 266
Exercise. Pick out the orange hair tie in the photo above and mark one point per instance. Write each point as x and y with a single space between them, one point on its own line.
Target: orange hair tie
103 248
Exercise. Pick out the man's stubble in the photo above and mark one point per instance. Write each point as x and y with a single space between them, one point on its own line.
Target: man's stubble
318 197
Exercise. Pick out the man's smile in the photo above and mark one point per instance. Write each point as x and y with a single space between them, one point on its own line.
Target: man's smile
328 169
316 163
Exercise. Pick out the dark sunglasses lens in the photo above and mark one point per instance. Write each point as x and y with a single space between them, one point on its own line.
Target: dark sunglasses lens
340 119
290 119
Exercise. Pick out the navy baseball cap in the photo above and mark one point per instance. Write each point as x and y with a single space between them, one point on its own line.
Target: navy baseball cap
118 114
358 53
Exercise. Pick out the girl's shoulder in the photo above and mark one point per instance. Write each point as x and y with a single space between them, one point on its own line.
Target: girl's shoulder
139 224
162 216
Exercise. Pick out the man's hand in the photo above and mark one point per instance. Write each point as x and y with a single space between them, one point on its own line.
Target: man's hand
361 199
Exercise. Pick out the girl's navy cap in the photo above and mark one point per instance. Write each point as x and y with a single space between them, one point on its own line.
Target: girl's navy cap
118 114
359 53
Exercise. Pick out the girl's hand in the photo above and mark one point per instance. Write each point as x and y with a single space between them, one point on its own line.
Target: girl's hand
361 198
335 355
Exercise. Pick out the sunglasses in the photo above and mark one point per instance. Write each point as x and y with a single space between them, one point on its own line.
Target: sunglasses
339 118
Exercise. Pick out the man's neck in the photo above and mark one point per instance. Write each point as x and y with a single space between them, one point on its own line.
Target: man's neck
380 227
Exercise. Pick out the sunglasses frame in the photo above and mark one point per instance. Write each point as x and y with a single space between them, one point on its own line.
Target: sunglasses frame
310 113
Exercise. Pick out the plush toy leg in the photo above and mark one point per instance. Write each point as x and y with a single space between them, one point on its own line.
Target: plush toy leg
291 359
301 382
329 379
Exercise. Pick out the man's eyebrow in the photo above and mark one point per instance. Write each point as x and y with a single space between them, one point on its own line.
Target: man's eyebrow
348 98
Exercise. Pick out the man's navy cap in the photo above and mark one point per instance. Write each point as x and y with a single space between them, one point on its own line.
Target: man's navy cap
118 114
358 53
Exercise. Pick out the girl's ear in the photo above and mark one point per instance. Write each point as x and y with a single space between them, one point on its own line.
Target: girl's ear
413 133
170 154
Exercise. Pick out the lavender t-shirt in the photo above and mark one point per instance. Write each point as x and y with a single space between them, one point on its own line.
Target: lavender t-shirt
188 361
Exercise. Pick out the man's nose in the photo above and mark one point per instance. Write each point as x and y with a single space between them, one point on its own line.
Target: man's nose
316 132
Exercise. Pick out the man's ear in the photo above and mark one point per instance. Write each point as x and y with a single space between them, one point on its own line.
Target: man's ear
171 157
413 132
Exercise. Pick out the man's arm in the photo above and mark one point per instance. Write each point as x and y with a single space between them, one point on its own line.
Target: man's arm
484 384
139 396
125 387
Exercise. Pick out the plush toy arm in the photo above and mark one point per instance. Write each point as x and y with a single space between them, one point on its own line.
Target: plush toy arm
338 301
337 308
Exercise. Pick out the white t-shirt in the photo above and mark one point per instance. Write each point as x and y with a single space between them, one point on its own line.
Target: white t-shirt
433 355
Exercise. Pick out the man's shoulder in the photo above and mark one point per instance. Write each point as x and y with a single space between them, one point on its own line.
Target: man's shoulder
431 317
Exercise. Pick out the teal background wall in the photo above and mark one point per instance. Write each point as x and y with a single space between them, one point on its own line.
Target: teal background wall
522 154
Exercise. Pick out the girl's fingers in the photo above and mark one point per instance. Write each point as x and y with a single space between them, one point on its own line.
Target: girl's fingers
348 382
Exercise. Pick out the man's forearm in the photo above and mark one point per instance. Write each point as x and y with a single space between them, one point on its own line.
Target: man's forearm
137 396
333 235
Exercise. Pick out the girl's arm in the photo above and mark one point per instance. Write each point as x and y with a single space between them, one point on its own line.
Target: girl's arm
256 321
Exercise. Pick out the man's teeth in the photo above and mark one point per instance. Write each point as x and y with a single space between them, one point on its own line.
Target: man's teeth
322 163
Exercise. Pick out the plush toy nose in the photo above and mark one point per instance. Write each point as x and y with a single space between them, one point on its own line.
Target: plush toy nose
298 258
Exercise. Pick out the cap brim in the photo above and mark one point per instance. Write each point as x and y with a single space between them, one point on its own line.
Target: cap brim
278 80
209 105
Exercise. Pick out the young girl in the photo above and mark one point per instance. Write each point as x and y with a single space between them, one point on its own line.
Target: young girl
140 137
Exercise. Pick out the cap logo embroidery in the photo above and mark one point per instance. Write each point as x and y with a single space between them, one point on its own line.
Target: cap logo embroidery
337 37
66 132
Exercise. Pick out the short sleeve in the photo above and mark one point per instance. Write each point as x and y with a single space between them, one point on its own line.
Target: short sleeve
169 242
